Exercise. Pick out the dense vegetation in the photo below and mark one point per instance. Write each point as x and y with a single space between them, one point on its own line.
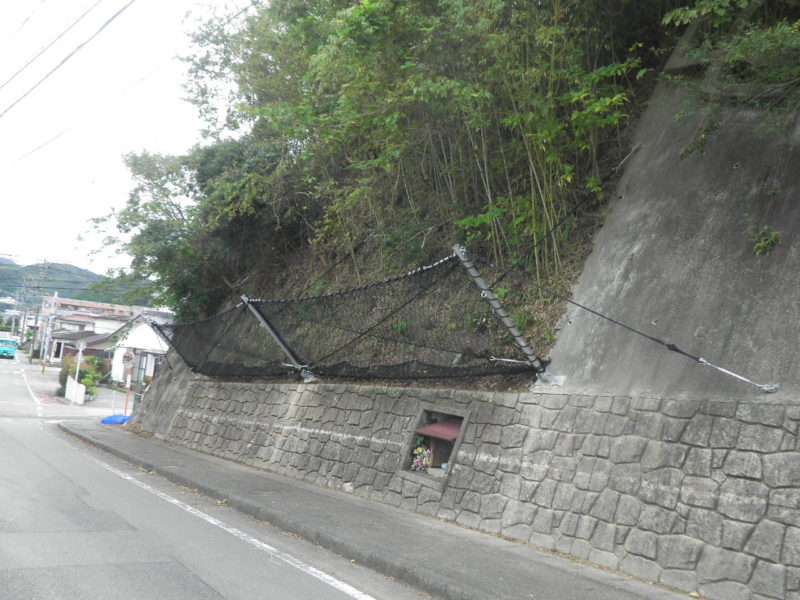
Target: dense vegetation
400 127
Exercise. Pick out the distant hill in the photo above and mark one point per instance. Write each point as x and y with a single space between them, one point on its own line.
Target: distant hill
48 278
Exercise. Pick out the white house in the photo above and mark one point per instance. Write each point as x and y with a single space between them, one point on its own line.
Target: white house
137 349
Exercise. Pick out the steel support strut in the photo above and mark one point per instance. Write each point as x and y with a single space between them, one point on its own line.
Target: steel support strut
307 375
543 375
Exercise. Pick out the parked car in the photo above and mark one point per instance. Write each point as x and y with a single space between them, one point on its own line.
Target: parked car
8 347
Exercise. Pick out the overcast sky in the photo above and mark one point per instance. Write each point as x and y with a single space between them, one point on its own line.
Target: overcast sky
61 144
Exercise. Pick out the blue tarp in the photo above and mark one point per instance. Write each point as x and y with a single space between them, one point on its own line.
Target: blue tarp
114 419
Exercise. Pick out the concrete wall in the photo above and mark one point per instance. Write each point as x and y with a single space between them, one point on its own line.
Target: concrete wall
701 495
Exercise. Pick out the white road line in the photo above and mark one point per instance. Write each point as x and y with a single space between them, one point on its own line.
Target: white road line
30 391
273 552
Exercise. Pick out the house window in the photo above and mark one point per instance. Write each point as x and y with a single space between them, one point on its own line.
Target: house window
434 442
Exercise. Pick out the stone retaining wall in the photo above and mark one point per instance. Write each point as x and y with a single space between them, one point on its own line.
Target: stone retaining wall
700 495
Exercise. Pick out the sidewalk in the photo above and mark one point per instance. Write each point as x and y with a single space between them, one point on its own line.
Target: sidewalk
44 383
441 558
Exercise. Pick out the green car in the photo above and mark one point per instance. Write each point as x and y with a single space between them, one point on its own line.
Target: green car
8 348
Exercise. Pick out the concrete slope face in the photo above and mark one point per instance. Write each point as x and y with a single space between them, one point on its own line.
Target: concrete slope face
675 260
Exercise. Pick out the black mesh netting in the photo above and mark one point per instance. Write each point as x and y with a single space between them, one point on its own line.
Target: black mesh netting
429 323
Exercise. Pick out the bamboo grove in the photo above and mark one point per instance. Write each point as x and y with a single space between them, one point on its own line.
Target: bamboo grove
408 124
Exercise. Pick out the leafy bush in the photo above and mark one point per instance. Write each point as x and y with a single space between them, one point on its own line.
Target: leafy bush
89 374
764 54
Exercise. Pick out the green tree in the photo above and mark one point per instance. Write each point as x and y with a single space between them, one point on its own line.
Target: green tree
412 123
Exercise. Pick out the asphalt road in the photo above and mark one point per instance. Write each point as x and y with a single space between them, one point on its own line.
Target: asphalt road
77 523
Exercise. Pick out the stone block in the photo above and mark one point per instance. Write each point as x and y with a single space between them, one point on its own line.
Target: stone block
684 408
471 501
604 506
510 460
716 564
769 579
603 404
699 491
511 486
565 421
685 581
725 590
625 478
487 459
661 487
640 567
743 464
663 454
628 510
793 578
782 470
678 551
600 475
484 483
540 440
508 399
604 536
705 525
784 506
743 499
583 472
518 532
791 548
543 521
617 425
567 444
620 406
674 428
468 519
554 401
627 449
492 506
581 401
604 559
698 431
581 549
586 527
562 468
766 414
491 434
760 438
657 519
586 421
698 462
735 534
646 404
718 408
569 524
649 425
518 513
764 541
514 436
545 493
563 496
642 543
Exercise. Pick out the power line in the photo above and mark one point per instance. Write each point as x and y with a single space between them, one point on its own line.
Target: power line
22 25
48 46
254 3
65 59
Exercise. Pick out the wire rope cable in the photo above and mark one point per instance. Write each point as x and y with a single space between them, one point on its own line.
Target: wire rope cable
765 387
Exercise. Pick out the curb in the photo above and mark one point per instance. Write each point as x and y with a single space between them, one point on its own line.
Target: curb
412 574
